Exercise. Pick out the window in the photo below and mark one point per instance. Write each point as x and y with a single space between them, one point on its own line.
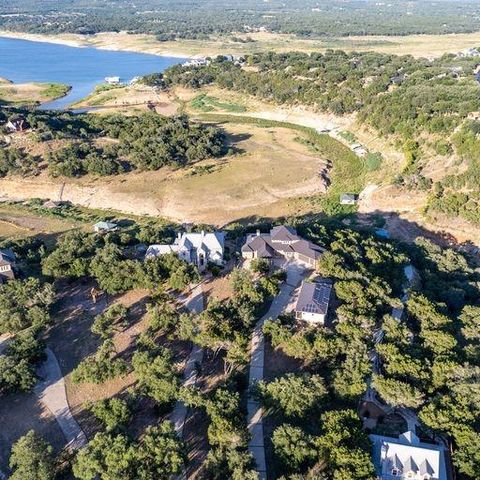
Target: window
395 472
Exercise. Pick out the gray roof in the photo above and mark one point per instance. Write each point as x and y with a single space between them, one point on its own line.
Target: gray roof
6 256
283 234
283 240
410 465
349 197
314 297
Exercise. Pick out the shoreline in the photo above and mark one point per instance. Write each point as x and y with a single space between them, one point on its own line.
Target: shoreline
83 43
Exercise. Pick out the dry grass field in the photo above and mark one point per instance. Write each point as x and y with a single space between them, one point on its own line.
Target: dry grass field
17 223
29 93
267 172
416 45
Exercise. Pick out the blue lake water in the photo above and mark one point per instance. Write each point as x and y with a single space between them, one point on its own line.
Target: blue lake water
81 68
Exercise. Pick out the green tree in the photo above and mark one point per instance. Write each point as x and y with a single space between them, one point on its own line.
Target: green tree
113 412
156 376
113 318
294 395
159 454
397 393
101 366
32 459
106 457
294 448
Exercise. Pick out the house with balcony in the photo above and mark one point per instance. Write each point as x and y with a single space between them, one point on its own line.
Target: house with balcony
197 248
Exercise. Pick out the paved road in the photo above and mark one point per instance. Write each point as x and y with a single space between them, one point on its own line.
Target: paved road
195 304
282 302
51 392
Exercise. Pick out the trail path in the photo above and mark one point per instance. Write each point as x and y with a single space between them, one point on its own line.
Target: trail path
256 446
51 392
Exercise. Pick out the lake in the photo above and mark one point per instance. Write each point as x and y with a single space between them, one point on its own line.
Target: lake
82 68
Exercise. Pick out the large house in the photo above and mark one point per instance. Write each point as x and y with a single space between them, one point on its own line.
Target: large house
313 301
406 457
197 248
281 242
7 265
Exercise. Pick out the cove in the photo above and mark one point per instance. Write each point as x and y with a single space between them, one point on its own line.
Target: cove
24 61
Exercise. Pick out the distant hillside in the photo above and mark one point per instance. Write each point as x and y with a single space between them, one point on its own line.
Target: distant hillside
186 19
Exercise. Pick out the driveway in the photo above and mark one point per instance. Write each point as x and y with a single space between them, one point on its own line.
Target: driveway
284 301
194 303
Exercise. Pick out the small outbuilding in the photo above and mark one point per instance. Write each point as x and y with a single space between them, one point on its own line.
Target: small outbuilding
102 227
313 301
348 198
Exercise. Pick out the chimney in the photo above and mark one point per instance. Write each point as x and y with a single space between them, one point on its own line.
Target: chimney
258 232
203 233
179 235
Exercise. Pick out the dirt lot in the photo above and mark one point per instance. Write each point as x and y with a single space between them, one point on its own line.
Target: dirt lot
16 223
71 341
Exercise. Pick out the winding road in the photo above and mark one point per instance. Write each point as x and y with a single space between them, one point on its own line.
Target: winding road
51 392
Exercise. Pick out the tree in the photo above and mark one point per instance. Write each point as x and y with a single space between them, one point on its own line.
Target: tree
114 317
156 376
24 303
106 457
295 448
113 412
260 265
231 463
466 456
113 273
32 459
159 454
163 317
294 395
101 366
470 318
397 393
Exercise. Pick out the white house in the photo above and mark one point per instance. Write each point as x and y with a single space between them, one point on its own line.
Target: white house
101 227
7 265
313 301
197 248
406 457
112 80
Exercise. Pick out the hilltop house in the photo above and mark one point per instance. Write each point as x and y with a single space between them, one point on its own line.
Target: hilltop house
197 248
281 242
7 265
16 124
406 457
313 301
103 227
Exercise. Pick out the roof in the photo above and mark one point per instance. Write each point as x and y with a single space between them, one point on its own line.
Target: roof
105 225
6 256
348 196
208 242
154 250
281 239
202 240
407 453
283 234
314 297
